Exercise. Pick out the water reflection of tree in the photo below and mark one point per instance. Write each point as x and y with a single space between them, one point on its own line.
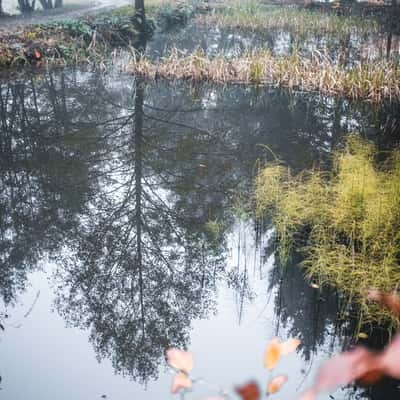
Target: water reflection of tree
305 312
129 185
142 271
44 176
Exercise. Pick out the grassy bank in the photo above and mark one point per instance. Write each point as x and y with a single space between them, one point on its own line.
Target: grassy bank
249 15
372 81
86 39
68 40
346 223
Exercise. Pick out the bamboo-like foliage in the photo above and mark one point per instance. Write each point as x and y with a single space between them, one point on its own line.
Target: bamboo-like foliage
347 223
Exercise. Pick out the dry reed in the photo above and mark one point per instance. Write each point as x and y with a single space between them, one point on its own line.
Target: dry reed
257 17
372 81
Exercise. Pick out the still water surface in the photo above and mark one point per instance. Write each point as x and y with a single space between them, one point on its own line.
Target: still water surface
124 230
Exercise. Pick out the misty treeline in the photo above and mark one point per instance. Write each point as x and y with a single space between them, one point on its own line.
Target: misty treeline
26 6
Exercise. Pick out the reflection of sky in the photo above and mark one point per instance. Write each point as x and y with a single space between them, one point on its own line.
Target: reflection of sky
44 360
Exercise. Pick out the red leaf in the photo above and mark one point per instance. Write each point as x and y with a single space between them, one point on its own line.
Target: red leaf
249 391
37 54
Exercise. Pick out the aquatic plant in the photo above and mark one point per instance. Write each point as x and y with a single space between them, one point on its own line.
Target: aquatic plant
372 81
346 223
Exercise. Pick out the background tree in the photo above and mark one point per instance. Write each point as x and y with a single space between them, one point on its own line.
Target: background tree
49 4
26 6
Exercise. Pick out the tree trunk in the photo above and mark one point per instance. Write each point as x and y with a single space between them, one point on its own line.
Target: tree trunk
138 132
25 6
46 4
139 7
389 45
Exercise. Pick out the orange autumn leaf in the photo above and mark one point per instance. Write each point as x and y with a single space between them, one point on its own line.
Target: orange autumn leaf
180 360
272 353
249 391
276 383
289 346
180 381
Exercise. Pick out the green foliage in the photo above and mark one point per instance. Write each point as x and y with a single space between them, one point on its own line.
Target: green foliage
174 14
346 223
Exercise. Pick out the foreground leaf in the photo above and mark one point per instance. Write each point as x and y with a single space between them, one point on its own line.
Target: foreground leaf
389 300
276 383
272 353
249 391
180 360
289 346
180 381
360 365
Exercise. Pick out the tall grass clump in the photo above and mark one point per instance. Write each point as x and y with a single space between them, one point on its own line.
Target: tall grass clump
346 223
372 81
250 15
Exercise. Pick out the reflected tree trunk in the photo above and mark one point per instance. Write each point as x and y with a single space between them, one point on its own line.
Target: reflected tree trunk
26 6
139 7
138 140
48 4
138 133
389 45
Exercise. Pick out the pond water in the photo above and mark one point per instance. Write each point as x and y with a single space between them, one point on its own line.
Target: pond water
124 230
214 39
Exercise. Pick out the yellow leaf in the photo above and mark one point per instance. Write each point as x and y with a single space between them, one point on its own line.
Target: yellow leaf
363 335
272 353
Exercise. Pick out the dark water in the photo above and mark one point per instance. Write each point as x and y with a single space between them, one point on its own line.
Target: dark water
124 231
